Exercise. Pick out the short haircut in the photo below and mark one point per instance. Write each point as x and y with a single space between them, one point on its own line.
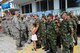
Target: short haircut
34 24
36 15
50 15
63 13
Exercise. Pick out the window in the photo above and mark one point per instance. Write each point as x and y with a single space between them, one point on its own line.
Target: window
73 3
43 5
62 5
30 8
22 9
50 4
38 6
27 8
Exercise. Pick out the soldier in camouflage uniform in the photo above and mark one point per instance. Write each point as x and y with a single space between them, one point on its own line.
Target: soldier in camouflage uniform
5 25
59 32
43 31
38 32
51 34
9 23
23 34
75 22
28 29
26 25
66 33
16 29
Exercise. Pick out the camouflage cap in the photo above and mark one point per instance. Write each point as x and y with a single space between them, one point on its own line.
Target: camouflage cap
68 13
43 16
36 15
17 12
63 13
50 15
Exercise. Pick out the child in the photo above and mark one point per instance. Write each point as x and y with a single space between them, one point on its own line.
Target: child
34 36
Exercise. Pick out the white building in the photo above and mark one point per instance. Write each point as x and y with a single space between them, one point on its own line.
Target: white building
45 6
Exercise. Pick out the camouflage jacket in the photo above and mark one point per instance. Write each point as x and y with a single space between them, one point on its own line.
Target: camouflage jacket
43 28
66 26
51 28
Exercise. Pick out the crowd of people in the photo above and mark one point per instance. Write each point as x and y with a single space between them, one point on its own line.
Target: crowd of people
47 33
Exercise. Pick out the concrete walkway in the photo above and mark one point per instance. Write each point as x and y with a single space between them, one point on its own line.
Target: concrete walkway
7 44
28 49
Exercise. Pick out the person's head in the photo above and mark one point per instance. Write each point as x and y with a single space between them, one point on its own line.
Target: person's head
31 15
71 13
50 16
57 20
34 25
56 16
68 15
43 18
17 13
36 16
64 15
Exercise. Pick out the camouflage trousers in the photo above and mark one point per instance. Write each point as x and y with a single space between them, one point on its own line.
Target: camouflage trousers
75 37
7 31
67 43
24 35
18 39
51 41
39 40
44 40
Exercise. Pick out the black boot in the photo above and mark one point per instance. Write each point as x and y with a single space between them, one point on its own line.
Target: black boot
71 49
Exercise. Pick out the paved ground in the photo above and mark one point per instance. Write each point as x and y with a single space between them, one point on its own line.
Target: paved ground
7 45
28 49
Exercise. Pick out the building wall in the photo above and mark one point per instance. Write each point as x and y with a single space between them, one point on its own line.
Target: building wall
55 11
76 10
13 5
56 4
34 9
0 11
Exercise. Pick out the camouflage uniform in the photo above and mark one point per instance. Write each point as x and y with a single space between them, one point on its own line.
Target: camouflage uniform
67 39
51 35
16 30
9 23
27 34
75 22
43 32
4 25
58 32
23 30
